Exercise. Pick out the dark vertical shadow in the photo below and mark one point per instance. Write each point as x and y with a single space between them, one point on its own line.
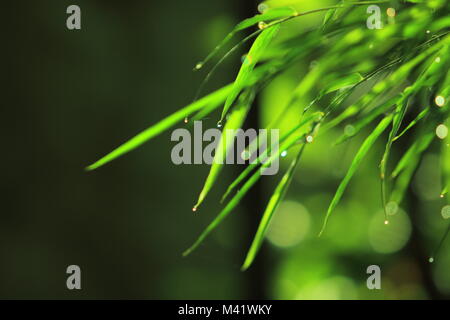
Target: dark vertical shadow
253 203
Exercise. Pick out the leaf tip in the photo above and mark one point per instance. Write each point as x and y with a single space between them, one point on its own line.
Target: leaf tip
91 167
186 253
244 267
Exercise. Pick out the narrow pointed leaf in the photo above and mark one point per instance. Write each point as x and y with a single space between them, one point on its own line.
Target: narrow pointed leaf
235 121
366 119
399 114
270 14
272 206
238 196
213 100
286 142
365 147
419 117
249 64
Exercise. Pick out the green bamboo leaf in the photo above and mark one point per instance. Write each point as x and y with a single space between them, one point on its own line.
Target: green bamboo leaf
419 117
418 147
403 181
367 118
342 82
328 18
213 100
426 77
439 246
398 75
235 121
269 15
399 114
286 142
365 147
224 213
275 199
343 86
407 165
347 113
228 208
249 64
240 194
376 110
444 191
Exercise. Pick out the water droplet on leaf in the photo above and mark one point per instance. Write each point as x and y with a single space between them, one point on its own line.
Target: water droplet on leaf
245 155
262 25
391 12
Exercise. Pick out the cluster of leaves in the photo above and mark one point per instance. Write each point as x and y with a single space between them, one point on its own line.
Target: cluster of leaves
369 78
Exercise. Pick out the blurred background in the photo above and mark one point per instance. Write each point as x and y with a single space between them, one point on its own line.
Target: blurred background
70 97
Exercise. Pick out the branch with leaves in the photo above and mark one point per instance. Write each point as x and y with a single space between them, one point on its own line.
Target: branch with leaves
369 78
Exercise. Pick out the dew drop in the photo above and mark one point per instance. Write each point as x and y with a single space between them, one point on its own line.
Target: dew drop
262 25
386 222
428 31
431 260
246 59
391 12
437 60
186 120
284 153
440 101
219 124
194 209
245 155
198 66
309 139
